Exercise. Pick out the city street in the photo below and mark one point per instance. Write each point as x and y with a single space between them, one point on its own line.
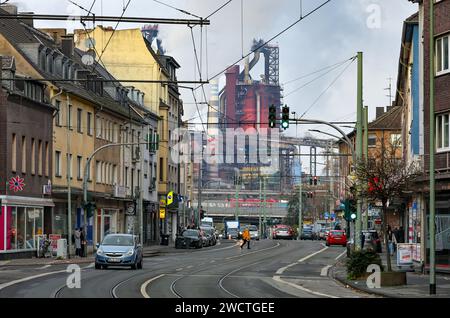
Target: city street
270 269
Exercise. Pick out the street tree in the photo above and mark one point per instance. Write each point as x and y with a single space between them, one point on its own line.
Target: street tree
385 176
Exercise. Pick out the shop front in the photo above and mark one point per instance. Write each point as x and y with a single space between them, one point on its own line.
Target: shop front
22 220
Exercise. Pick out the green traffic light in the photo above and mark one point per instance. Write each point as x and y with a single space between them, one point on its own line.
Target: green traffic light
285 124
353 216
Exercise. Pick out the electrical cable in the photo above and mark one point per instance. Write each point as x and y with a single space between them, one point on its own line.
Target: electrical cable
326 89
177 9
270 40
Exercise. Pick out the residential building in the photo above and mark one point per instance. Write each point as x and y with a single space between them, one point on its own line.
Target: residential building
25 161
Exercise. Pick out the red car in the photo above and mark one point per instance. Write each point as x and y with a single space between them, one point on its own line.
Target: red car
336 237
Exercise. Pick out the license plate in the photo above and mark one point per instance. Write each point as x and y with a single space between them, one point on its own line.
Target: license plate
114 260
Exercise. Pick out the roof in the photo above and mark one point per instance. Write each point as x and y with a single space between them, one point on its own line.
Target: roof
390 120
17 32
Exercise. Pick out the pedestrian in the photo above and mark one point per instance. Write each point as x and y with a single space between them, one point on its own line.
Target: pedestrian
83 243
77 237
246 238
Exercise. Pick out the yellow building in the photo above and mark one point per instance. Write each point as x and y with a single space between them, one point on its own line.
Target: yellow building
129 56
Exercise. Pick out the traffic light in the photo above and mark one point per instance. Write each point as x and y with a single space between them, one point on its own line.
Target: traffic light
315 181
285 118
350 210
272 116
202 214
310 181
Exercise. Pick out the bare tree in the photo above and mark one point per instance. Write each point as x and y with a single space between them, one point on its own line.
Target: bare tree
384 177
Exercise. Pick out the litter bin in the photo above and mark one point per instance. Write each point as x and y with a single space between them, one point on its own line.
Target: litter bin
164 239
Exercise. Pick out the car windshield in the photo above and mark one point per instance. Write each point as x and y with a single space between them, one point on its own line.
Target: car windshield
190 233
118 240
337 233
253 228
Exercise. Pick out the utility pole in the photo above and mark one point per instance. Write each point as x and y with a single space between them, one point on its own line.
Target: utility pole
359 146
431 222
366 158
264 207
199 184
260 206
300 203
237 183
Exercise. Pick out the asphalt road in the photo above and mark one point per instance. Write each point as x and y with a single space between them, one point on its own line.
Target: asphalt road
270 269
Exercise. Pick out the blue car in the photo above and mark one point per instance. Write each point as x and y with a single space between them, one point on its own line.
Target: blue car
119 250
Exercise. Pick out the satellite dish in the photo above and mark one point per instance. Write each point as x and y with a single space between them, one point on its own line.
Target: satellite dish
87 59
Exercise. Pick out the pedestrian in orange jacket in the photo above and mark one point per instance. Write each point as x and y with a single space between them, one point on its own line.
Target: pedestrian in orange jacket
246 238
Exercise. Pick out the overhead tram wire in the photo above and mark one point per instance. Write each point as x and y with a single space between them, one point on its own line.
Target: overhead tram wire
114 30
326 89
311 81
270 40
177 9
218 9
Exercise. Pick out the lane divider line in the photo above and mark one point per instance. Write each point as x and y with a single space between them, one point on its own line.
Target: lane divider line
340 255
324 271
145 284
264 249
278 279
17 281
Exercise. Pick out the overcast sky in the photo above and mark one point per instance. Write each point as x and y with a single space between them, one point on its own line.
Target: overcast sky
330 35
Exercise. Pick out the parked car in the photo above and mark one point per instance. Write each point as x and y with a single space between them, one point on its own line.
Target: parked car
307 234
323 234
119 250
372 240
204 238
283 232
254 233
210 235
336 237
189 238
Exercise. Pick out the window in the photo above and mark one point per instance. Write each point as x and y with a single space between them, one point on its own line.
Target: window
396 140
98 171
114 174
40 163
79 120
98 127
57 163
89 124
69 168
372 140
79 169
442 132
161 170
126 177
14 153
58 114
24 154
70 117
442 55
47 161
88 171
33 156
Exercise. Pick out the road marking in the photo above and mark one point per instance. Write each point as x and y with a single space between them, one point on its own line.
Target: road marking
278 279
213 261
179 269
44 267
4 262
311 255
264 249
324 271
190 266
340 255
17 281
89 266
144 285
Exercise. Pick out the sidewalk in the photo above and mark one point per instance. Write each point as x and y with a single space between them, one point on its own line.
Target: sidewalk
417 284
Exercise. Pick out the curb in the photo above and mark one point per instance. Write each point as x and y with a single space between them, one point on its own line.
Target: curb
49 263
346 283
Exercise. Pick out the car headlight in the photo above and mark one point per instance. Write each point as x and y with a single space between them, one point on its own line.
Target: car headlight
130 252
100 251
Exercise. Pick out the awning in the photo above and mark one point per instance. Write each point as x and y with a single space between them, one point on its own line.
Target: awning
25 201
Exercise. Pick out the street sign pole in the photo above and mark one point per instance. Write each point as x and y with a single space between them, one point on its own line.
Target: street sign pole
359 146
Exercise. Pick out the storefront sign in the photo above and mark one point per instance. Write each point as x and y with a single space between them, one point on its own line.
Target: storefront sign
162 213
162 202
405 254
47 188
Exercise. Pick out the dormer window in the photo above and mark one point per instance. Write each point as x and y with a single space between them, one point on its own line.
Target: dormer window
42 59
49 64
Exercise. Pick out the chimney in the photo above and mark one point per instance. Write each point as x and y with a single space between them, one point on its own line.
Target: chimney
379 112
67 45
28 22
10 8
